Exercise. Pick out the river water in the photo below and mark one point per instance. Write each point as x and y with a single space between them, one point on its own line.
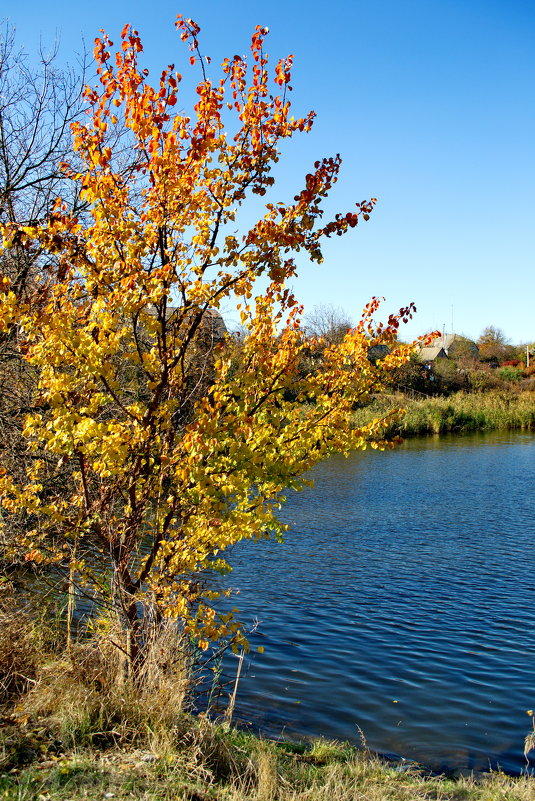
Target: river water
400 607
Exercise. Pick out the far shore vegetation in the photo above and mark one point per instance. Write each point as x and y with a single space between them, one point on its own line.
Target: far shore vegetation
459 413
483 386
449 385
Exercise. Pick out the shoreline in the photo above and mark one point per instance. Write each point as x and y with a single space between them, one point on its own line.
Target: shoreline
205 762
390 760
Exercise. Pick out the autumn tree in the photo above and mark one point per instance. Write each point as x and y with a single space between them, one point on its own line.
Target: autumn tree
113 327
494 345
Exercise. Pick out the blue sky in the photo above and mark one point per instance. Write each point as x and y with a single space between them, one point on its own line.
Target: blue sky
431 105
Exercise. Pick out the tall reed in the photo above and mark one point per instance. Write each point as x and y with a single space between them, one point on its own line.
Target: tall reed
458 413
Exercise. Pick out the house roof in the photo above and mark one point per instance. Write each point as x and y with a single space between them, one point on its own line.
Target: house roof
456 343
431 353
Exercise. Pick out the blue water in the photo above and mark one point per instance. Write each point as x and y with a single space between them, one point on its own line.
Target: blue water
400 607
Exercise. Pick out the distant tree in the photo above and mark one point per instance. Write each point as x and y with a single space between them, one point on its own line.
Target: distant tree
38 102
493 345
330 323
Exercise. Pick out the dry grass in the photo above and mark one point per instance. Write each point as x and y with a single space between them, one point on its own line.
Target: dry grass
100 705
81 695
25 640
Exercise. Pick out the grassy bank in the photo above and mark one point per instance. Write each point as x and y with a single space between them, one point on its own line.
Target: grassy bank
459 413
72 727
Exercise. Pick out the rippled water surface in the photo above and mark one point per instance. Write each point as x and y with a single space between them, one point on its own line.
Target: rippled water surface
401 604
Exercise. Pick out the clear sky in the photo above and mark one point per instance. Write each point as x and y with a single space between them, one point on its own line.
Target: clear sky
430 103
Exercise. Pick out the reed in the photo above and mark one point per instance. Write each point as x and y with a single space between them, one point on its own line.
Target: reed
459 413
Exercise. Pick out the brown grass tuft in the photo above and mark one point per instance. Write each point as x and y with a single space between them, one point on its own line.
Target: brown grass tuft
87 696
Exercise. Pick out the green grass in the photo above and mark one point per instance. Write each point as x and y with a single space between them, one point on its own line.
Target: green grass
458 413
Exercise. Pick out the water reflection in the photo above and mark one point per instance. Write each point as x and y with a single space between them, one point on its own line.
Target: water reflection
401 603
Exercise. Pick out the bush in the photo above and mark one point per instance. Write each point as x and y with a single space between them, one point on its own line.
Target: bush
510 374
449 376
481 378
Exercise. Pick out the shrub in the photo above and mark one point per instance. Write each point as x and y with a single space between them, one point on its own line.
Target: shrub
510 373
